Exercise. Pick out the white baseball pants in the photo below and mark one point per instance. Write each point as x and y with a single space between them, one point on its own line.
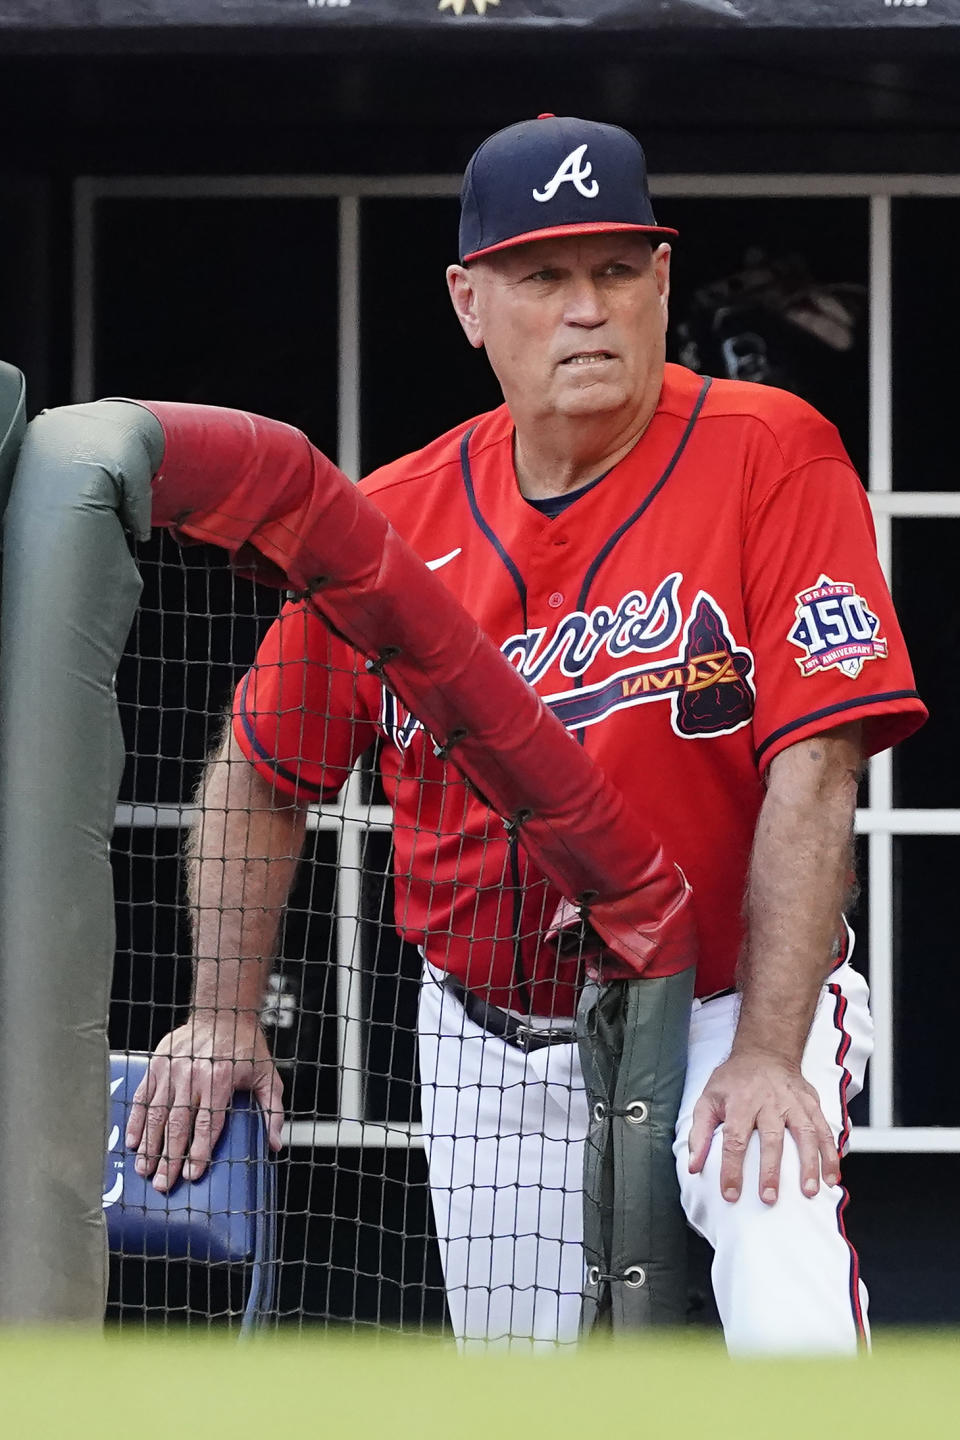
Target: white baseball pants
504 1133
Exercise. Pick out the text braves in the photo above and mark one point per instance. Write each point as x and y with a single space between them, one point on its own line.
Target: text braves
637 624
708 681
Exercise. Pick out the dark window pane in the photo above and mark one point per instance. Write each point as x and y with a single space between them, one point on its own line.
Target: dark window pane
358 1240
221 302
927 981
301 1012
925 308
392 971
420 377
776 290
924 554
152 971
194 635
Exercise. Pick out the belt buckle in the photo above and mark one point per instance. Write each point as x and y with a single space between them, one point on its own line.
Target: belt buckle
524 1034
528 1034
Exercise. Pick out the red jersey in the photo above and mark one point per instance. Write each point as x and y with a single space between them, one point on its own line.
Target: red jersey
714 599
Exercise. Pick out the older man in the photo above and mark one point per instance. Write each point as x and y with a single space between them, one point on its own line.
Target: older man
685 570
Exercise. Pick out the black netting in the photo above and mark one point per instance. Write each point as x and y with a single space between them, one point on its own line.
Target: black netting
354 1242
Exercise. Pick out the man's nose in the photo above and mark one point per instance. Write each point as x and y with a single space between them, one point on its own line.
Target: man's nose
584 305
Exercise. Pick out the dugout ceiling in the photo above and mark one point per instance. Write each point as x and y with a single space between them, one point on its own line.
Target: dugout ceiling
476 27
507 17
411 85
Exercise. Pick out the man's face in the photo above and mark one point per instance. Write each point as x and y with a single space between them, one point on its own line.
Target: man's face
572 327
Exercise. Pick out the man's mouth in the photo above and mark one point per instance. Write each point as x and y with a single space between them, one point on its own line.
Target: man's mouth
588 357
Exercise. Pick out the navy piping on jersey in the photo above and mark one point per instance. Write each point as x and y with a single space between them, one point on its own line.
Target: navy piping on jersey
843 705
843 1048
263 754
494 539
631 520
618 534
613 539
519 977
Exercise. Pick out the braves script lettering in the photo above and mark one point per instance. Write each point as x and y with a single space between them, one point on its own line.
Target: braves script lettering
708 682
636 625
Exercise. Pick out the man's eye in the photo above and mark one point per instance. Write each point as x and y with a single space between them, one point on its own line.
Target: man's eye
618 268
543 275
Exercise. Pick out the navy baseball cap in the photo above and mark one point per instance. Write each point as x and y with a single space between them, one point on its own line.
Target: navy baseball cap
555 175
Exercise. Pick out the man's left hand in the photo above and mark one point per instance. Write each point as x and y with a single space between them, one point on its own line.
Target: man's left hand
751 1091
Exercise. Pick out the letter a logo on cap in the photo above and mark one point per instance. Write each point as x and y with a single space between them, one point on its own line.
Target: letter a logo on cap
574 170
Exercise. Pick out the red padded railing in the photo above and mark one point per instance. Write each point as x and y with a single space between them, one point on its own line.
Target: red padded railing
287 516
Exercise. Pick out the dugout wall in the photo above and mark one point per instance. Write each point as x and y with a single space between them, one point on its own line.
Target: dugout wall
269 227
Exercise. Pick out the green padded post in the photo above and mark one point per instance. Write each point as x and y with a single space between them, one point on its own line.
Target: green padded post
70 591
633 1038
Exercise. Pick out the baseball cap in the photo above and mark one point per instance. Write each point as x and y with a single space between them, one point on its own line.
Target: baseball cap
555 175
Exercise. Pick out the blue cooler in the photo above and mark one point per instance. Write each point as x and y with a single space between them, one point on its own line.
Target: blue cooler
227 1217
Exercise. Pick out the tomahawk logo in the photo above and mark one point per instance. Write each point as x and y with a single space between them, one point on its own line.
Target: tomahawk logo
575 172
708 684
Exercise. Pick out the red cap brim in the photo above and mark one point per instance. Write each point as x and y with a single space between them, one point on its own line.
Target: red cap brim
593 227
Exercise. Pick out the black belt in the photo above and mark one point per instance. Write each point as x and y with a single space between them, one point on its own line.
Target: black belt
514 1032
501 1023
718 994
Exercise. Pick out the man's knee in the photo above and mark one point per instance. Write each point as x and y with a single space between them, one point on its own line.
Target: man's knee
713 1216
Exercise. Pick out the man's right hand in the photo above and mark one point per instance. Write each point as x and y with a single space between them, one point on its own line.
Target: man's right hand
180 1106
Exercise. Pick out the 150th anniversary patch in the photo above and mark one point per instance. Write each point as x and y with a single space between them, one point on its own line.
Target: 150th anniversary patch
836 629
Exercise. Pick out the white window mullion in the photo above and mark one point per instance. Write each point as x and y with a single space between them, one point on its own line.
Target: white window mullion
350 1016
881 347
348 378
916 504
865 1140
880 822
880 912
353 1134
907 822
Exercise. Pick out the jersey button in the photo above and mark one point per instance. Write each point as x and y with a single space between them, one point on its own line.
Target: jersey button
555 600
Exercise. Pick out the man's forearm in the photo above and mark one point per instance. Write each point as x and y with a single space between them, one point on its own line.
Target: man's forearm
242 857
799 882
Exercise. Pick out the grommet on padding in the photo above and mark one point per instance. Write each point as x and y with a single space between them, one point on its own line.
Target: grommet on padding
460 733
388 653
512 826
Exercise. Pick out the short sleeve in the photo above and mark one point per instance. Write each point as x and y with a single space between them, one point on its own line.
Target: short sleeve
302 713
825 638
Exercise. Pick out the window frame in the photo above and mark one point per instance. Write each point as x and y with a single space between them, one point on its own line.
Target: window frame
879 821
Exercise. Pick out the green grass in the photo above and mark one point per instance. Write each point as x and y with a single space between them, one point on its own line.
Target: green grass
74 1387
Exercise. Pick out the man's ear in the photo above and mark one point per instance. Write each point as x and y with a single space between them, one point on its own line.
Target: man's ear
463 293
661 265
